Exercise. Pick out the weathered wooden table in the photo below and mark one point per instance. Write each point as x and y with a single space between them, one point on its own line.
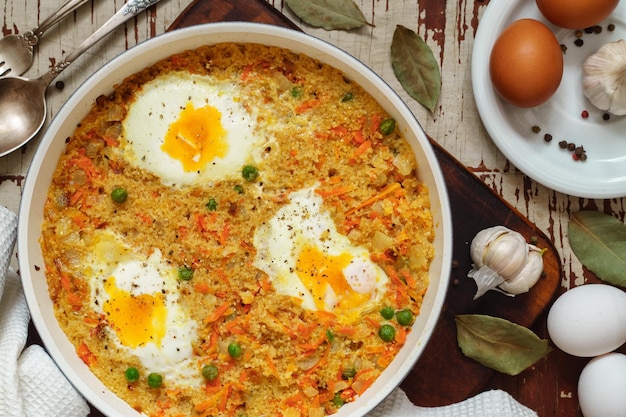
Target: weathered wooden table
449 27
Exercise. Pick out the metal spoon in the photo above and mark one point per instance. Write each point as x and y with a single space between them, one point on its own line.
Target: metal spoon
16 51
23 100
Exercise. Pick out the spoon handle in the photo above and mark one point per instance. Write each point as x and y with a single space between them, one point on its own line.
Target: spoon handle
130 9
33 35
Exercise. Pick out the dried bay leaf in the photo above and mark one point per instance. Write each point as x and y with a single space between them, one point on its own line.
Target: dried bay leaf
599 242
498 343
415 67
328 14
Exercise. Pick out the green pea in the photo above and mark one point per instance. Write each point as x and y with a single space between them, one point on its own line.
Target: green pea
212 204
404 317
185 273
297 92
234 350
239 189
330 336
155 380
337 400
348 373
119 194
387 332
387 313
250 173
132 374
387 126
347 97
210 372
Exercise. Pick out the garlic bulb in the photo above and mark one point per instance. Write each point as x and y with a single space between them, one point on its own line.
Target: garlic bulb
604 78
502 260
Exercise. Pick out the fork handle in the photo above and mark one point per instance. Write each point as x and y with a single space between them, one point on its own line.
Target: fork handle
68 7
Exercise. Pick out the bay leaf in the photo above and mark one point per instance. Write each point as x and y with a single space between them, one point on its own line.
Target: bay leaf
328 14
599 242
415 67
498 343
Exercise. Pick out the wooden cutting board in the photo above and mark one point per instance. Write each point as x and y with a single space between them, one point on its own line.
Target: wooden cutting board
442 375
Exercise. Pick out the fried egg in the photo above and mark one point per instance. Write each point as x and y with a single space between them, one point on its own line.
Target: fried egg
187 129
307 258
139 298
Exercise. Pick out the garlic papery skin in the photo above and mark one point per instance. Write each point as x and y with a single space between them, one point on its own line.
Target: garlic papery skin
502 260
604 78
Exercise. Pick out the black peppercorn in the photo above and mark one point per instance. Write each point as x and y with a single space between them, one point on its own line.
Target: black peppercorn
571 146
547 137
578 42
536 129
562 144
606 116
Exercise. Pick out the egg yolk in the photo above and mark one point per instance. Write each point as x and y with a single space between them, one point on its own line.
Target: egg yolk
323 276
137 319
196 137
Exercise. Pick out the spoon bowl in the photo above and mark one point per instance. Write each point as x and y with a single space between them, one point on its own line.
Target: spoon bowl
23 110
23 101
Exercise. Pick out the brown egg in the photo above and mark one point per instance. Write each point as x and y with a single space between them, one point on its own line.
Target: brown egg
576 14
526 63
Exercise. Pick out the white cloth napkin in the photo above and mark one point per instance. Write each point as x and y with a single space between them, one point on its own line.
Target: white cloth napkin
494 403
31 385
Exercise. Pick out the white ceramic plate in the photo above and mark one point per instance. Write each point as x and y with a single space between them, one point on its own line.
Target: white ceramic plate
53 144
603 174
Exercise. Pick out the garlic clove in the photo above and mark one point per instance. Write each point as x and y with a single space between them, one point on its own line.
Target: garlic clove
604 78
502 260
482 240
528 276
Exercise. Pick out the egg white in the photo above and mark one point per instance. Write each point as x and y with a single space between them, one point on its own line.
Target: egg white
162 101
303 224
117 269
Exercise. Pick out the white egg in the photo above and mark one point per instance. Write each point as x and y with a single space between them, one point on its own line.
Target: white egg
187 129
602 386
589 320
307 258
139 298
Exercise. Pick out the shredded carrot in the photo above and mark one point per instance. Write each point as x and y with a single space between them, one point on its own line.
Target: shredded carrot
272 366
363 147
307 105
219 312
358 136
401 335
86 355
202 288
373 322
76 196
391 188
339 190
223 236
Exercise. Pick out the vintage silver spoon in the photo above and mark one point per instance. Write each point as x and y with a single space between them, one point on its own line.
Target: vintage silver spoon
23 100
16 51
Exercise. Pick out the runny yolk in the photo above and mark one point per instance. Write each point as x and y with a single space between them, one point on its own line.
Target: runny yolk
136 319
196 137
319 272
